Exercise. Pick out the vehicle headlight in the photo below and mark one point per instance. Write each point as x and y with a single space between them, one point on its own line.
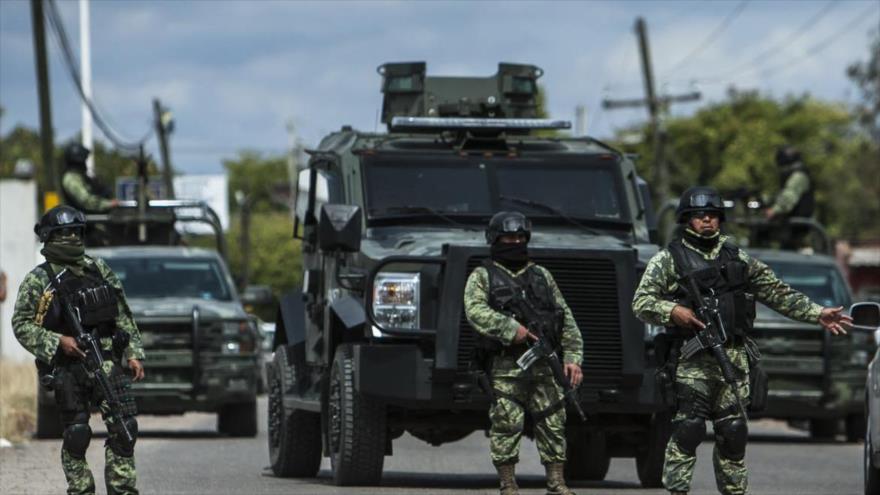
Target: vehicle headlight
652 331
396 300
239 337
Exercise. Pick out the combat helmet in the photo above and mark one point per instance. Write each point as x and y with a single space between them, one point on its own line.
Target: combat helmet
699 198
508 222
787 155
75 154
60 217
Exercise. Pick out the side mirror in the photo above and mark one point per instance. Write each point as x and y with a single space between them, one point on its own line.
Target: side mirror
257 295
866 316
339 228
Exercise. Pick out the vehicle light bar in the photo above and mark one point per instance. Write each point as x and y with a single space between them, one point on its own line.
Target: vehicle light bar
476 123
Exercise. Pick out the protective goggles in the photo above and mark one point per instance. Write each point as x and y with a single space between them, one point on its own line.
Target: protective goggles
516 224
70 218
706 200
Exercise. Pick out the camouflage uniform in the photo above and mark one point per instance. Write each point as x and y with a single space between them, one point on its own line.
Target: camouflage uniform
34 298
797 184
700 375
534 387
77 188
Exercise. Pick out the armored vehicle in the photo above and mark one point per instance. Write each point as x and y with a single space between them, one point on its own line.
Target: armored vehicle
201 346
814 376
391 224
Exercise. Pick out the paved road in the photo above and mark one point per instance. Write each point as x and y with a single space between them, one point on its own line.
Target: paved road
184 455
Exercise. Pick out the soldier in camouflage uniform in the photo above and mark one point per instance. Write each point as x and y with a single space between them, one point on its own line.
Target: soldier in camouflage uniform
81 191
517 391
39 326
795 199
737 280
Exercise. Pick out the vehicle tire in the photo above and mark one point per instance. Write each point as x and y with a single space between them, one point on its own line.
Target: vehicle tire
855 427
48 422
587 457
356 427
649 462
294 436
872 474
823 429
238 420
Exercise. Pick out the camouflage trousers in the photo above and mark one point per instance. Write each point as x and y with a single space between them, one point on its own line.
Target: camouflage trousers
74 394
515 396
703 394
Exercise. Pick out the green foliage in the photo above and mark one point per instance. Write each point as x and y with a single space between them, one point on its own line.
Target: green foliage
866 76
257 177
275 255
731 145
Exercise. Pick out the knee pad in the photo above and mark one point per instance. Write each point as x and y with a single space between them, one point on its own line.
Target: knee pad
689 433
731 436
76 439
116 439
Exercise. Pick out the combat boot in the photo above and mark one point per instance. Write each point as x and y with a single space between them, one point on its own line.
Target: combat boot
556 480
507 477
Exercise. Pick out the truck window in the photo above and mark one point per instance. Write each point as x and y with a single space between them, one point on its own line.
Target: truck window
171 277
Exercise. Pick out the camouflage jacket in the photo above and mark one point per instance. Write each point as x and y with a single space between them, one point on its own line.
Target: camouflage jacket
652 302
502 327
34 297
795 187
76 186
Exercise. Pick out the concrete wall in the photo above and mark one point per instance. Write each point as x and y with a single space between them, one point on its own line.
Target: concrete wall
19 253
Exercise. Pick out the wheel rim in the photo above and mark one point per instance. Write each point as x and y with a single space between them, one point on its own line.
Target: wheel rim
335 413
276 413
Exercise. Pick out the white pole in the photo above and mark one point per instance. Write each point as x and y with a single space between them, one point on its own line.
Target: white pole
85 70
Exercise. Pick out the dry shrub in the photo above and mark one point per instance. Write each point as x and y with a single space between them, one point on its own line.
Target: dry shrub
18 400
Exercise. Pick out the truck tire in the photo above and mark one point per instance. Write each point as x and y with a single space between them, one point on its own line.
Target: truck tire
649 462
823 429
48 422
587 457
238 420
356 427
294 436
855 427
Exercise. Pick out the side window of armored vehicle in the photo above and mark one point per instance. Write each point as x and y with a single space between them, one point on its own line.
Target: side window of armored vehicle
327 190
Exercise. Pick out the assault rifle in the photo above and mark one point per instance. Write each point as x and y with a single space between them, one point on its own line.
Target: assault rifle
545 349
94 364
712 337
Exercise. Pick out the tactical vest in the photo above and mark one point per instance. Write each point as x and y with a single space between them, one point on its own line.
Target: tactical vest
725 278
806 205
92 297
506 290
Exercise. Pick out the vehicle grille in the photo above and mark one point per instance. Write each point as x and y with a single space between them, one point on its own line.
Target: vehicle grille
590 289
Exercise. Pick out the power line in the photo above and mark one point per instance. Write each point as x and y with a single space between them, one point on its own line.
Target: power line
737 10
60 33
811 52
759 59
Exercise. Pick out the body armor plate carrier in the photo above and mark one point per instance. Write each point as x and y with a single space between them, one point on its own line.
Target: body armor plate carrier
93 298
726 278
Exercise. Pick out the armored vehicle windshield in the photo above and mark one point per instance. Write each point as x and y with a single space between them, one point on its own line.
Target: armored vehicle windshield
546 187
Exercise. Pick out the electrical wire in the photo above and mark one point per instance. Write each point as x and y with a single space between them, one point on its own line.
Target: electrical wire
761 57
737 10
57 25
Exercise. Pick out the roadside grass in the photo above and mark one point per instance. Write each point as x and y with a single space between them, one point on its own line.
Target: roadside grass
18 400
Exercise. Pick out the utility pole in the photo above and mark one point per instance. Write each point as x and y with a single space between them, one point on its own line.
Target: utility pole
85 74
657 108
579 120
50 178
163 122
293 152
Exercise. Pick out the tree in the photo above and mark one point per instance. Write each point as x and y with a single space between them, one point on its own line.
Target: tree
866 75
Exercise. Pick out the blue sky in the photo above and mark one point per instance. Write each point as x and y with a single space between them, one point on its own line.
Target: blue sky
235 72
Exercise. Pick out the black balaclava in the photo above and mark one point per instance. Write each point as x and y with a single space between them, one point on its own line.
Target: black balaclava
702 242
514 256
